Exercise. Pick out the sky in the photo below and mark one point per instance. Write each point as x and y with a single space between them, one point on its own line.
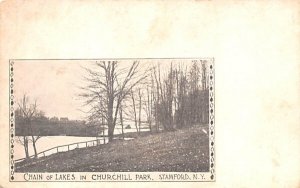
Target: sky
55 83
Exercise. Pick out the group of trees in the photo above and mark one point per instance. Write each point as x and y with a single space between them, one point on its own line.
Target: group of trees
26 112
44 126
181 97
174 97
167 98
108 85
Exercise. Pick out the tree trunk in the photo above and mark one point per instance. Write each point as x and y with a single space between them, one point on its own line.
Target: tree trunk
26 146
110 132
140 109
33 139
121 120
149 97
156 118
34 146
110 120
134 111
110 123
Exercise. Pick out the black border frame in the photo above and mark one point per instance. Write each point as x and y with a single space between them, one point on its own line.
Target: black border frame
211 133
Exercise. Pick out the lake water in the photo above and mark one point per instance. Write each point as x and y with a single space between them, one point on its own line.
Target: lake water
49 142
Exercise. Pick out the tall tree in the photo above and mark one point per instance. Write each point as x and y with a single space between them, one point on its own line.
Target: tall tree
108 84
194 94
165 91
134 111
148 107
140 108
121 120
181 116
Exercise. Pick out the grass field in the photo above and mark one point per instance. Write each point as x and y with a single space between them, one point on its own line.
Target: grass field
184 150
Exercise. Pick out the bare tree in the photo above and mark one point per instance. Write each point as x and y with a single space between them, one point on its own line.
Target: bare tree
108 84
181 96
22 134
165 91
28 112
156 82
121 120
148 107
132 108
23 140
140 107
134 111
181 92
205 94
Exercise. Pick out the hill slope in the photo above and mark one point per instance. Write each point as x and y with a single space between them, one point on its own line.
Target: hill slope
185 150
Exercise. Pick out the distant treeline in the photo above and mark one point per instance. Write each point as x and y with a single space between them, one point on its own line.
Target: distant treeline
43 126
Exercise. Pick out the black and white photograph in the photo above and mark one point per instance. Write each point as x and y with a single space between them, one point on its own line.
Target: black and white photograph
137 93
113 115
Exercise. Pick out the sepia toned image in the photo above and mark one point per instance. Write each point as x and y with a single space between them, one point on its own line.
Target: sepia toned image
149 93
113 115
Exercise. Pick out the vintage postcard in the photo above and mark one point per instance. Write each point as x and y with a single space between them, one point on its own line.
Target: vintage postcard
112 119
149 93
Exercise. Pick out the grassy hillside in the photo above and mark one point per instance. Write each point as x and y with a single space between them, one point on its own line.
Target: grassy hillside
185 150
